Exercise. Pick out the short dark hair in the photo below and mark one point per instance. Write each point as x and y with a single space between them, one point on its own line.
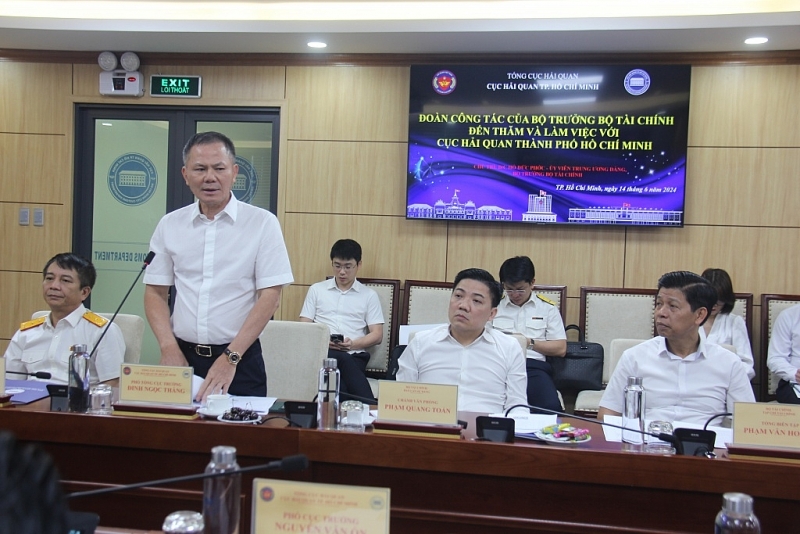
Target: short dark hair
346 249
698 291
208 138
517 269
721 282
31 498
484 277
87 275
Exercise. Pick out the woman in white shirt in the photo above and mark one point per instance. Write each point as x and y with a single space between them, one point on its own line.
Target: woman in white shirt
722 327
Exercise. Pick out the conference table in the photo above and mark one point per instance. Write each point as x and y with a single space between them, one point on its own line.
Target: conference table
437 485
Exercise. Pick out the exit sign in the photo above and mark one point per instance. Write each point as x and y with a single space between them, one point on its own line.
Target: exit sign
175 86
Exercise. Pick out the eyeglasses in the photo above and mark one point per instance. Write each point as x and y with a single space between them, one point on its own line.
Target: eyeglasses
515 291
346 267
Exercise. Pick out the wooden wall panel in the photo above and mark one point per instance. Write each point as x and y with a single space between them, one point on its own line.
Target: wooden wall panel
562 256
221 85
348 103
745 106
34 167
27 248
743 186
34 98
393 247
759 260
21 295
292 301
337 177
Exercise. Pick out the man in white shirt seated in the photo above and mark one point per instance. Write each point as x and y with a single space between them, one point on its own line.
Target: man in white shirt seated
350 309
783 357
685 378
487 366
522 311
43 344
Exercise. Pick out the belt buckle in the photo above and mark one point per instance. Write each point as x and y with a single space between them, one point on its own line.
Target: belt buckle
203 350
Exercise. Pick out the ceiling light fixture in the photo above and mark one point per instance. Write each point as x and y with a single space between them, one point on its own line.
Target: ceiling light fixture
756 40
317 44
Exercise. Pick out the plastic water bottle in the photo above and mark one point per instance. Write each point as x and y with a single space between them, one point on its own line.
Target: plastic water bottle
78 385
736 516
221 494
328 395
633 410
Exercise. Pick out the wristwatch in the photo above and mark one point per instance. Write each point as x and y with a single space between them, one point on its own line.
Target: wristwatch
233 357
531 343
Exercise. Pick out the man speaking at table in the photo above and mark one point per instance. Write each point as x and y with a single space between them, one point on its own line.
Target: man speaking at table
228 262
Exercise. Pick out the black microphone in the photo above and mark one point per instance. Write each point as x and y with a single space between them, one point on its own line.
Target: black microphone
147 260
297 462
669 438
44 375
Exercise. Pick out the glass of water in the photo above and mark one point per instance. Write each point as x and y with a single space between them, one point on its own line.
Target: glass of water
655 445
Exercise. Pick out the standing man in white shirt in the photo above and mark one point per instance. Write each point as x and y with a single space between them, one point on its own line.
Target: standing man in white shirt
521 311
228 262
43 344
487 366
783 357
686 378
350 309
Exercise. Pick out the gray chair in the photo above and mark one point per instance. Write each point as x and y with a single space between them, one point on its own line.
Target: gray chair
389 294
293 354
609 313
587 403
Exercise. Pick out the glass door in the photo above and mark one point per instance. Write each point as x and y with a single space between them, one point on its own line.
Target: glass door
128 175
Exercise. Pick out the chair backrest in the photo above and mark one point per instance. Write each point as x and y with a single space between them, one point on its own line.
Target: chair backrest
426 302
617 347
389 294
132 327
771 306
557 294
743 307
293 354
609 313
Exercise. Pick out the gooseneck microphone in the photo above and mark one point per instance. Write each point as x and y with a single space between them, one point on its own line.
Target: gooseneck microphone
44 375
297 462
147 260
669 438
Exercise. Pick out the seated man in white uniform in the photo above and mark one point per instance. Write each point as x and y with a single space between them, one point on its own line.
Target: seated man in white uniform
487 366
537 318
43 344
685 377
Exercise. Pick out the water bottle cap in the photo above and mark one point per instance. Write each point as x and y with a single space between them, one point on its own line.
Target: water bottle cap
737 503
80 347
634 380
329 362
223 454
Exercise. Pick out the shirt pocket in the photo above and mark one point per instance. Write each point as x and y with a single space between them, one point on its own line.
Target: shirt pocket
31 357
502 323
536 327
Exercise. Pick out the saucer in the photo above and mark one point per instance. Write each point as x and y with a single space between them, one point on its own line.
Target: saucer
208 415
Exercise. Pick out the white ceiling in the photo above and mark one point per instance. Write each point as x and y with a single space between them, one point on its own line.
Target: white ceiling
402 27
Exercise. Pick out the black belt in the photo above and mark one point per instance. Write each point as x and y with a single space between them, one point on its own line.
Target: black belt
206 351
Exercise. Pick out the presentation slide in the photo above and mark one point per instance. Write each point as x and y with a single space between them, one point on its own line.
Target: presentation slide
545 144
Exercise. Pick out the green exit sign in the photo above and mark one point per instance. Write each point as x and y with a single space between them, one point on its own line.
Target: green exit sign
176 86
